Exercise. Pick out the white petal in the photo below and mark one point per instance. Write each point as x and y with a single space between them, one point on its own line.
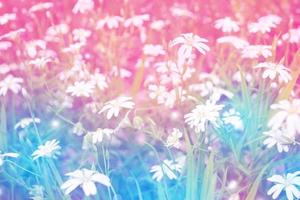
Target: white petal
101 178
289 194
275 190
294 191
277 179
70 185
89 188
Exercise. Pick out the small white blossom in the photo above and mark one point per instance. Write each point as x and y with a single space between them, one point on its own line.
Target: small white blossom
168 168
4 19
264 24
271 70
292 36
99 80
81 34
81 88
82 6
10 83
233 117
49 149
188 41
227 25
157 92
238 78
289 183
173 139
86 179
214 92
237 42
288 113
181 11
114 106
254 51
98 135
202 114
112 22
32 47
40 62
153 50
54 32
158 24
278 137
25 122
136 20
120 72
73 48
78 129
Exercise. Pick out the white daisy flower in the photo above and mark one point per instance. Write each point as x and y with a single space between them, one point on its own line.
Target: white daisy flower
233 117
58 29
173 139
292 36
279 138
227 25
153 50
86 179
238 78
111 22
202 114
288 113
114 106
188 41
214 92
168 168
82 6
264 24
98 135
157 92
158 24
120 72
271 70
81 34
4 155
78 129
136 20
254 51
271 19
237 42
99 80
288 183
10 83
25 122
32 47
40 62
4 19
49 149
81 89
73 48
181 11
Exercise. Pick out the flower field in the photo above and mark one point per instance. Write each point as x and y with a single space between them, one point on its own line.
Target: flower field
149 100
